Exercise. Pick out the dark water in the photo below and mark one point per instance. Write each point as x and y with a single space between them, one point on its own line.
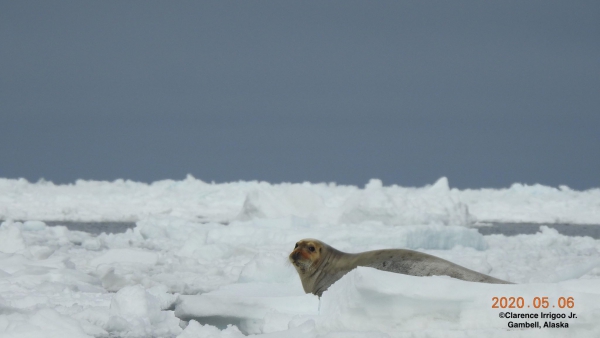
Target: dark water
513 229
95 227
507 229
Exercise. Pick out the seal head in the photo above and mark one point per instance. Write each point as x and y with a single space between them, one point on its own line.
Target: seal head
319 265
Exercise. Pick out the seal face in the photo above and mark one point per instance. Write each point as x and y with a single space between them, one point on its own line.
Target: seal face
306 255
320 265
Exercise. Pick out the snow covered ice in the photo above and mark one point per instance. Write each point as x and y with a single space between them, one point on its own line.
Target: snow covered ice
210 260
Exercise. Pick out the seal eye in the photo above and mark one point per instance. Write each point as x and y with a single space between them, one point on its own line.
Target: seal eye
311 248
296 245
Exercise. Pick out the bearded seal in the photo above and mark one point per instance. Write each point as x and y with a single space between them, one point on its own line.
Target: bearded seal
320 265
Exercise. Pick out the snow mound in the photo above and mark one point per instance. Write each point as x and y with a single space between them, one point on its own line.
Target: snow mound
368 299
11 240
138 313
243 201
44 323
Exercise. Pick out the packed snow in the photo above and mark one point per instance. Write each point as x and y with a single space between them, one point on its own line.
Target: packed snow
210 260
323 203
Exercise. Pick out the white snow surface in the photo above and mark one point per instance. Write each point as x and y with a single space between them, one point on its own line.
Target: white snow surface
210 260
191 198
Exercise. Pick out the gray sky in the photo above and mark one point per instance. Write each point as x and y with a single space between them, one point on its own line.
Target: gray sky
485 93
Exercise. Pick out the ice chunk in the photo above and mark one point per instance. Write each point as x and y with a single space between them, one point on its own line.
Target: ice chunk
196 330
254 307
44 323
11 240
136 312
126 256
33 226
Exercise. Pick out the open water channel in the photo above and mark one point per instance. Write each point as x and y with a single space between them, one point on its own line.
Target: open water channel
507 229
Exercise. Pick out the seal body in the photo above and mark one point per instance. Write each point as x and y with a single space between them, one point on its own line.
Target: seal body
320 265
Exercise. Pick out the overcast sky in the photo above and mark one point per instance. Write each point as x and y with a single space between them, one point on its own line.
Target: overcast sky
484 93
